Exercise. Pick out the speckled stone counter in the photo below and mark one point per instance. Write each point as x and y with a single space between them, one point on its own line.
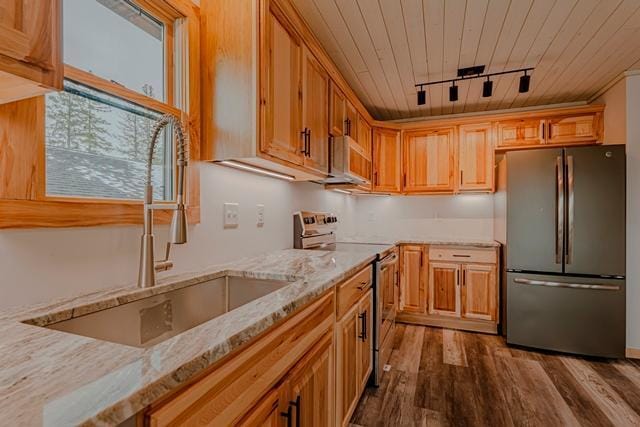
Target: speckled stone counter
55 378
424 241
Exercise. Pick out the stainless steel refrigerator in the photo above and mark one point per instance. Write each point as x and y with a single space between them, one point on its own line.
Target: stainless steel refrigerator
565 253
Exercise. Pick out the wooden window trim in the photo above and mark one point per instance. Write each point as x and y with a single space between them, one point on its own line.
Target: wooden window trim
23 202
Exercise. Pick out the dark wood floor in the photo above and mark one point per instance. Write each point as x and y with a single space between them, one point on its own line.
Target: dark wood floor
452 378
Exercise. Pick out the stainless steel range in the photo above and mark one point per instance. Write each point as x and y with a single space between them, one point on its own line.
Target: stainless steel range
317 231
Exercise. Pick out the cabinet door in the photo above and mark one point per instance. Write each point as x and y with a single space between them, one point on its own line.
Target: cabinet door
337 114
412 279
310 386
364 136
315 110
359 163
352 120
574 129
429 161
283 131
475 158
268 412
365 339
30 48
518 133
347 363
479 291
444 289
386 161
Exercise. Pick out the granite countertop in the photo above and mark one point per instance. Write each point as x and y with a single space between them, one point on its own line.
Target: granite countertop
424 241
55 378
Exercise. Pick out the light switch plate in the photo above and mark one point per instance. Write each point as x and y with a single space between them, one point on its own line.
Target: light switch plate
260 219
231 215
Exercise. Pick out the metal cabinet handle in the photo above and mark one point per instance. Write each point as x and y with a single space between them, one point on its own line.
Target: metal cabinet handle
464 277
304 141
594 286
363 285
288 415
297 404
363 318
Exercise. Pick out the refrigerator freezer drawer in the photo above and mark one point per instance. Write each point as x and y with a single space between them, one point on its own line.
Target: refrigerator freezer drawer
569 314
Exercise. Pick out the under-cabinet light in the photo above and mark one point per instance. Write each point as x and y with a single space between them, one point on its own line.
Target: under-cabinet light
255 169
339 190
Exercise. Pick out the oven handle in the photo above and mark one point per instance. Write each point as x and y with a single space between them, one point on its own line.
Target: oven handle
567 285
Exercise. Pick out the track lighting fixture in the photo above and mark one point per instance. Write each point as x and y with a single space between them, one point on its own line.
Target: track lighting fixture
487 88
422 96
524 83
453 92
474 72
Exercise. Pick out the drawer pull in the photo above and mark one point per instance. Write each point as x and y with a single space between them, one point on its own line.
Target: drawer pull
364 285
461 256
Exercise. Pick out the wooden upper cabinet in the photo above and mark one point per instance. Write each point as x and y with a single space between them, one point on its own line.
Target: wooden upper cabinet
475 158
363 135
365 336
351 117
30 48
412 279
315 113
519 133
570 129
283 136
310 387
479 291
387 161
444 288
337 111
429 161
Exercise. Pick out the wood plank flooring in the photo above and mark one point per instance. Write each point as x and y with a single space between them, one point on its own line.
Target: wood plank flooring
442 377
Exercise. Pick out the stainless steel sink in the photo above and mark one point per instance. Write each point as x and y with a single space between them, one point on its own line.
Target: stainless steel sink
148 321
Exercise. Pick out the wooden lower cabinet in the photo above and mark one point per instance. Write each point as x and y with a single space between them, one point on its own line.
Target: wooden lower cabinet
479 291
354 353
462 288
268 412
310 387
412 279
444 292
228 392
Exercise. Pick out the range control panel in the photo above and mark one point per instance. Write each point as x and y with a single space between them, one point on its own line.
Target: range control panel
316 227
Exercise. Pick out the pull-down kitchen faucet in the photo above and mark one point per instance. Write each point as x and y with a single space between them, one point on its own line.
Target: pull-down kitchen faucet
178 233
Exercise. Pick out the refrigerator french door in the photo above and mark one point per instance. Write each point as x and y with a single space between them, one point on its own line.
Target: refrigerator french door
566 249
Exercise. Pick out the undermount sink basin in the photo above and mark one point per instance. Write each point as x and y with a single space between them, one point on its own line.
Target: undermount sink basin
148 321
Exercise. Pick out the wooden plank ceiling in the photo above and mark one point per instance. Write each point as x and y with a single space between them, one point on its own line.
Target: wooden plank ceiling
385 47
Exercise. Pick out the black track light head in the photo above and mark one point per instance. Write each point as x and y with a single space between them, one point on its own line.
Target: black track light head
524 83
487 88
453 93
422 97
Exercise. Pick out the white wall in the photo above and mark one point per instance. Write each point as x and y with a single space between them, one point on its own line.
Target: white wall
615 113
43 264
633 209
448 217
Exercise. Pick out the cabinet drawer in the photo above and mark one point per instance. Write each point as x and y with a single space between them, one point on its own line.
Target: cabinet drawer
351 290
455 254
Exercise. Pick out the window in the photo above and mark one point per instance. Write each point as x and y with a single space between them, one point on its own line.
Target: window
118 60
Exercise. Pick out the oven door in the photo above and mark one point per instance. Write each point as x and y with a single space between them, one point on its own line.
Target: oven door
385 301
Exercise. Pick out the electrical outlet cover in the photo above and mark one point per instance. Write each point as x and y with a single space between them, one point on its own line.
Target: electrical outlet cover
231 215
260 219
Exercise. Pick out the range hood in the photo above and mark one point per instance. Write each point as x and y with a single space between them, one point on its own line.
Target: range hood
342 151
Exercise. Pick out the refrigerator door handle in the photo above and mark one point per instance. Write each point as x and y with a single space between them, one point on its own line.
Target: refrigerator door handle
559 209
570 209
567 285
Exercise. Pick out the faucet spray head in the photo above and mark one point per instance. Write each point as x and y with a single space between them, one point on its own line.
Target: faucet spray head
178 233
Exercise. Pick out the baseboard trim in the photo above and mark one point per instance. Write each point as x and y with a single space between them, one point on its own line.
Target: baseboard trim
632 353
451 323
